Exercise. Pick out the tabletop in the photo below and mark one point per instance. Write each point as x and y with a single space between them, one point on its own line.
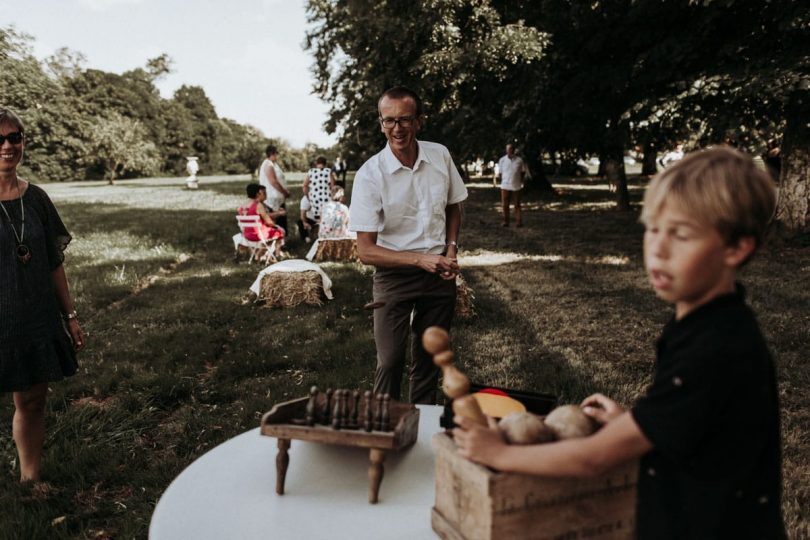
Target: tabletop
229 492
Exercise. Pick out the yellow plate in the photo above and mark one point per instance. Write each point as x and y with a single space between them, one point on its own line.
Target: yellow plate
498 406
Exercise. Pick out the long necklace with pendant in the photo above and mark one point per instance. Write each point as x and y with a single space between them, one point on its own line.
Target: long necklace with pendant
23 252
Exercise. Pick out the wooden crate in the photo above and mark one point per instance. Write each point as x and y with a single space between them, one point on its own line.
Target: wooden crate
477 503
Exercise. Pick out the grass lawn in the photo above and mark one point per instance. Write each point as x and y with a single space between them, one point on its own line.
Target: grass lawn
176 364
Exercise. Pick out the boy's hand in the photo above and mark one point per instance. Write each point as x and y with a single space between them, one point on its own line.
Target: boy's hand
478 443
601 408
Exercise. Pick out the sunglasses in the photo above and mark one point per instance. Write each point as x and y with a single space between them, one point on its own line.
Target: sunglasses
15 137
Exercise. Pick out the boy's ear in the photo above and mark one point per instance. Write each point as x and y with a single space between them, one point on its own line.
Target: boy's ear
739 252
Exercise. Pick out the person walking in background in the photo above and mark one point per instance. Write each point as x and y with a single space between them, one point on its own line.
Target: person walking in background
272 178
512 169
406 211
319 185
39 328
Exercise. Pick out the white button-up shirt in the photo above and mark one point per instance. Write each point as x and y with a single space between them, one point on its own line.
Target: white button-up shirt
511 170
406 207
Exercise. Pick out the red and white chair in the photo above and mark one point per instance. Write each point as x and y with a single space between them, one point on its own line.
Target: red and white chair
255 246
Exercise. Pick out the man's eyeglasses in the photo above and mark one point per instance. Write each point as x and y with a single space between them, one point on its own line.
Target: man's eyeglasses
15 137
403 121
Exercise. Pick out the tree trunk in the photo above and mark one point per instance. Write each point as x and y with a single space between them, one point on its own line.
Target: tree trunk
793 208
603 159
539 179
648 165
617 179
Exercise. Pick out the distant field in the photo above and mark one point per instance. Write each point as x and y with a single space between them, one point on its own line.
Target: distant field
176 364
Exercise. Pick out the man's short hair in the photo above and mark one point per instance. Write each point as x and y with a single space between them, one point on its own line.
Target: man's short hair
270 150
8 117
320 160
719 187
402 92
254 189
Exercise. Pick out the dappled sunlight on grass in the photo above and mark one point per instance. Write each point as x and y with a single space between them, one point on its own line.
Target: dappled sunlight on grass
98 248
488 258
573 186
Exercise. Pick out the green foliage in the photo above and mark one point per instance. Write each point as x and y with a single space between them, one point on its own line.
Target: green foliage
562 76
120 144
443 49
71 112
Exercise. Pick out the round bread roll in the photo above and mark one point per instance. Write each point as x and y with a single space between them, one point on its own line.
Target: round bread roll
569 422
524 428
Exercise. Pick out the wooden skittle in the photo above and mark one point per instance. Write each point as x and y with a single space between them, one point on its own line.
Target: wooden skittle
456 385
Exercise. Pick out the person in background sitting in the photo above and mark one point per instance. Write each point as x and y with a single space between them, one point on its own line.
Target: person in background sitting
268 229
306 220
335 218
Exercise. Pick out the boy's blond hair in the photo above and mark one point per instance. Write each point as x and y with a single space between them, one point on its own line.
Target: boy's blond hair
721 188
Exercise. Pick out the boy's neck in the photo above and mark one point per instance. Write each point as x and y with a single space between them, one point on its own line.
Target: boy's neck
726 286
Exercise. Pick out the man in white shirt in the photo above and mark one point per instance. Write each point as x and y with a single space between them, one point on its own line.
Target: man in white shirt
406 211
511 168
272 178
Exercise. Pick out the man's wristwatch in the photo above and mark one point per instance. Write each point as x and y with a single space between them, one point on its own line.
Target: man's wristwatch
71 315
452 243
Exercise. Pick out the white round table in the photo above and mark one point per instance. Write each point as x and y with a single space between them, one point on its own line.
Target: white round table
229 492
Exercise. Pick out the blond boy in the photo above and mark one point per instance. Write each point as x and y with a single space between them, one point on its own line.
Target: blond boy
707 429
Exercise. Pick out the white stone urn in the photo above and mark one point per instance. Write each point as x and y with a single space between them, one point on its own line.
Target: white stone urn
192 167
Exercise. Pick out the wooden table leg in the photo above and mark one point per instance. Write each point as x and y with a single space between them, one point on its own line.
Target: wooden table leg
376 458
282 461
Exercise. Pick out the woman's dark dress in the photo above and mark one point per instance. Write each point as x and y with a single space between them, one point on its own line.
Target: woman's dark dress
34 345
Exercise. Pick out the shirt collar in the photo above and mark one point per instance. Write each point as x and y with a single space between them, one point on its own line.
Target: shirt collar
392 164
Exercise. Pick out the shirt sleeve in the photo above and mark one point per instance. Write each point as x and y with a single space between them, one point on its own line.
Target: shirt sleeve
366 211
57 237
457 191
680 408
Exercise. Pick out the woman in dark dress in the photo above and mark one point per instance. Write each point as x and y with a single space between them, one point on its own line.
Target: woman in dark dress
39 329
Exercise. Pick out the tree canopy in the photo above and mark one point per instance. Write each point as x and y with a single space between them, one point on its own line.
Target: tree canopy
84 122
565 78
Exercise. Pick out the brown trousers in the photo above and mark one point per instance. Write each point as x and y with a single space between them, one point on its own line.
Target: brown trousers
432 301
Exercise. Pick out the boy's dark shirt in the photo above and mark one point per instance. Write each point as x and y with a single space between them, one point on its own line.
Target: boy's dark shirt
712 415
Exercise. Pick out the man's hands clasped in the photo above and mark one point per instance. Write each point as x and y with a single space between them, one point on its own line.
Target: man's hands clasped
446 266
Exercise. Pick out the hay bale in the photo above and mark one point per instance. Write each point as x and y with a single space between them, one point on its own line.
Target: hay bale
289 289
464 300
337 249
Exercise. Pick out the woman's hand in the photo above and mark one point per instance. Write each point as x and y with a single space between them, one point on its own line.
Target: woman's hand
601 408
478 443
76 334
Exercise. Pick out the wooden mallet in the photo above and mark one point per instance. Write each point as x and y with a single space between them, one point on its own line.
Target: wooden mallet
456 385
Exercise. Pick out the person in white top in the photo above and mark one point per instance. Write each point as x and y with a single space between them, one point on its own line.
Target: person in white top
512 169
272 178
406 211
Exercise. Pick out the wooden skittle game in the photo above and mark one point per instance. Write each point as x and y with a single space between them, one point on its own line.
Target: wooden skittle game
344 418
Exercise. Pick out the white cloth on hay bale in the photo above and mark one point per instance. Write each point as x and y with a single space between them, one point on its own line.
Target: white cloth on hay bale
294 265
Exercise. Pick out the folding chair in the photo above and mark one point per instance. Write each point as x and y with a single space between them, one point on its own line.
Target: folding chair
255 246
